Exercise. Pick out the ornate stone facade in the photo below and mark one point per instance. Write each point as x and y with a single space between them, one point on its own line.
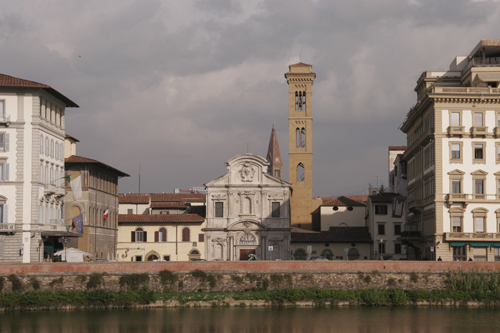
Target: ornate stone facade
248 212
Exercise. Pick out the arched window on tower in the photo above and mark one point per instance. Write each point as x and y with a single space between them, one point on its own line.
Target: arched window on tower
303 100
300 100
297 137
300 173
303 138
296 101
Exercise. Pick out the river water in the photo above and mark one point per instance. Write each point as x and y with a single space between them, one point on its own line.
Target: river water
234 320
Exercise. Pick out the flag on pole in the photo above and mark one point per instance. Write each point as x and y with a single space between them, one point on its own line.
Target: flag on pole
397 207
76 188
77 224
106 214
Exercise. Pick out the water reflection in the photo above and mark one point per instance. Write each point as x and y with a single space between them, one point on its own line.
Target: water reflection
236 320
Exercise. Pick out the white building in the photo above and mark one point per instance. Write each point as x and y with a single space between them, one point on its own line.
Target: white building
31 167
248 212
453 158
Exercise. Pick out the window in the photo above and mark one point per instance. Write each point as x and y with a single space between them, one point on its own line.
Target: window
138 258
4 170
397 229
300 173
455 186
457 223
300 138
459 253
139 235
479 224
219 209
381 229
41 144
51 148
498 119
397 248
478 186
276 209
381 209
56 151
130 211
478 119
277 173
4 141
455 119
300 100
201 238
381 248
4 211
161 235
2 110
185 235
165 212
479 156
455 151
47 146
166 258
61 155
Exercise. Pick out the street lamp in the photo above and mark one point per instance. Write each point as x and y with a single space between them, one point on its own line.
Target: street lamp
381 241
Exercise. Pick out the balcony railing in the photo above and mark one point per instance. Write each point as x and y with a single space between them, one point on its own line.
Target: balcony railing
460 236
53 189
456 131
480 130
54 225
5 120
7 227
496 130
465 90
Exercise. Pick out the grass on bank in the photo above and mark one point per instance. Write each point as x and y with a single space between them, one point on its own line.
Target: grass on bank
461 286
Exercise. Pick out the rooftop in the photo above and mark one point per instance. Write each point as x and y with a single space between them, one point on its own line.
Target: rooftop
334 235
161 218
74 159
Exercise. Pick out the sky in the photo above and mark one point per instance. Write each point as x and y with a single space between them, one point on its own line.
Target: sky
176 88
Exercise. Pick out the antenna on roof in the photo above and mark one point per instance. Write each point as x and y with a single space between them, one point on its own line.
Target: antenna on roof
139 177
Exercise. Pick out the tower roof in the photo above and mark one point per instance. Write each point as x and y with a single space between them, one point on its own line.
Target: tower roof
273 152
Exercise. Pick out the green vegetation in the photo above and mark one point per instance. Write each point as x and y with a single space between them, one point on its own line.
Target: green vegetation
133 281
16 283
58 281
95 280
2 281
167 278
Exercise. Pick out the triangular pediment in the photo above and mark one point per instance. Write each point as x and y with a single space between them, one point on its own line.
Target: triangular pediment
479 173
456 172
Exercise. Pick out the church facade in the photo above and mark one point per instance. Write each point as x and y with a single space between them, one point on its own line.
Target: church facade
248 213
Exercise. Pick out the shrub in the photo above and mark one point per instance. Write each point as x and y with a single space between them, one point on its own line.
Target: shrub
133 281
252 277
59 281
276 279
391 282
34 283
180 285
81 279
265 284
2 280
398 297
95 280
237 279
167 277
199 274
16 283
373 297
367 279
212 280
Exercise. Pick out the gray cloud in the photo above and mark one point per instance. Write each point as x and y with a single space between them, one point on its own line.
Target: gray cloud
181 87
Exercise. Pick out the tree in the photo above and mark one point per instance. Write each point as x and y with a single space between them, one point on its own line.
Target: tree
381 189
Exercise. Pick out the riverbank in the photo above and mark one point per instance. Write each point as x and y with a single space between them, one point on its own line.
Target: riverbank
145 298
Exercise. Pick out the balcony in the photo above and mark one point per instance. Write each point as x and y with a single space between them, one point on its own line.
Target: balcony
496 130
479 131
456 131
7 228
54 225
470 236
5 120
411 231
51 189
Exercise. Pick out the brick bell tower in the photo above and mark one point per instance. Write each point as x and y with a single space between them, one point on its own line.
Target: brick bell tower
300 79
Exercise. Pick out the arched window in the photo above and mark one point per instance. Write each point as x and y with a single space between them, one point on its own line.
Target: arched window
296 101
152 257
300 254
247 208
300 100
300 173
327 253
139 235
353 254
41 144
297 137
161 235
185 235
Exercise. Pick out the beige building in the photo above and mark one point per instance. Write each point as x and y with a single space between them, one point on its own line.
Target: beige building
32 125
304 210
453 158
248 212
99 184
161 226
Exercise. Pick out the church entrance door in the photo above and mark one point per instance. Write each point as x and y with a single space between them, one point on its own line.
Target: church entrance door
245 253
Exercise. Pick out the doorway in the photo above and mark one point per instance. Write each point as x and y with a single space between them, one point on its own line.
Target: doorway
245 253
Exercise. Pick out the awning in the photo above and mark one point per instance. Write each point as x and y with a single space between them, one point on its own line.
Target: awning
58 234
458 244
495 244
489 77
480 244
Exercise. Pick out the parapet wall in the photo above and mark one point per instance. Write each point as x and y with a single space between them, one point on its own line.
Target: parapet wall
234 276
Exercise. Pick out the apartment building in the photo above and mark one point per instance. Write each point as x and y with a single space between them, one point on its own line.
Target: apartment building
453 158
32 124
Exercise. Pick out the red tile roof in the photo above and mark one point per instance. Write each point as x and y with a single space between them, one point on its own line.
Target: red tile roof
384 197
334 235
160 218
176 197
72 137
74 159
10 81
133 198
169 205
355 200
397 147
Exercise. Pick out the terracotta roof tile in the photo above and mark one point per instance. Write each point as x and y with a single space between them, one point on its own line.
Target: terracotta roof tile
133 198
132 218
169 205
385 197
397 147
10 81
182 197
80 159
72 137
345 201
334 235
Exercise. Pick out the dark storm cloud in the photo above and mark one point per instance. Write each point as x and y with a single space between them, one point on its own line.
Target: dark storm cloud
182 86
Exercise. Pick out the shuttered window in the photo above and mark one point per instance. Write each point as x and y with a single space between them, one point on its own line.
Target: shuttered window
276 209
219 209
4 141
186 235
